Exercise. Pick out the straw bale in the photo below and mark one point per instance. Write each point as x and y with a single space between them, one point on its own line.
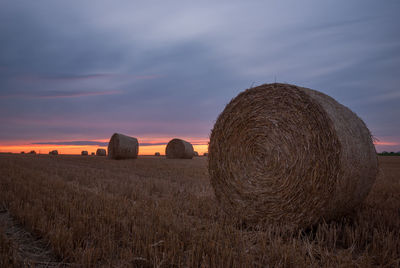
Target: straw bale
101 152
122 147
288 155
84 153
157 154
177 148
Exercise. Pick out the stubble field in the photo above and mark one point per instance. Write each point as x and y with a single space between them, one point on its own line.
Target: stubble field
84 211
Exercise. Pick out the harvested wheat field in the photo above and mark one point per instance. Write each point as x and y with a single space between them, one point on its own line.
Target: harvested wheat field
73 211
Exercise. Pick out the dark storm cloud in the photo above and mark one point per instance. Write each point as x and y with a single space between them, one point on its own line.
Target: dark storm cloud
77 70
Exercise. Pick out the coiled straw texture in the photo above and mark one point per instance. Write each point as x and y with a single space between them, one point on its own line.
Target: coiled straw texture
177 148
101 152
122 147
283 154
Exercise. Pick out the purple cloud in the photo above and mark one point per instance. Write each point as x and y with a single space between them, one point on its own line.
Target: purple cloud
98 143
60 94
71 143
38 78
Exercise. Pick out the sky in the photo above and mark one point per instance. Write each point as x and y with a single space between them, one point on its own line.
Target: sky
72 73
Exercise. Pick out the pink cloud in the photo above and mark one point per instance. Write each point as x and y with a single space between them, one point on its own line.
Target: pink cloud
386 143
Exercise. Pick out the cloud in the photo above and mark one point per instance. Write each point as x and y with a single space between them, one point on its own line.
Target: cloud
380 98
36 78
386 143
71 143
99 143
60 94
113 66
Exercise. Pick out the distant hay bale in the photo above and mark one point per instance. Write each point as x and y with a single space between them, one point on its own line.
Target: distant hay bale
122 147
157 154
84 153
92 153
177 148
32 152
205 154
289 155
101 152
22 152
54 152
195 153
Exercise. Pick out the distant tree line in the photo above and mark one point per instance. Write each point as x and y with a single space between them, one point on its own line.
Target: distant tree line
389 153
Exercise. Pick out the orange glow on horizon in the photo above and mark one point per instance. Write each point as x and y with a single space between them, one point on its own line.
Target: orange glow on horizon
199 145
45 149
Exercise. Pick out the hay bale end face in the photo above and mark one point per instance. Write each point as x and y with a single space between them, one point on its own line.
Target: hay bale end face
101 152
84 153
122 147
285 154
177 148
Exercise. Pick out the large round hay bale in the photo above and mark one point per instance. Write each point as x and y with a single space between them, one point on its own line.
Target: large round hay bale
101 152
122 147
84 153
54 152
284 154
177 148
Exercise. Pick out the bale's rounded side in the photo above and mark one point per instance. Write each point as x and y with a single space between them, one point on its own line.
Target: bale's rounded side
177 148
101 152
122 147
284 154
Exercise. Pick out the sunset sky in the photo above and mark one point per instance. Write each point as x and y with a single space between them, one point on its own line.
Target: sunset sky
74 72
